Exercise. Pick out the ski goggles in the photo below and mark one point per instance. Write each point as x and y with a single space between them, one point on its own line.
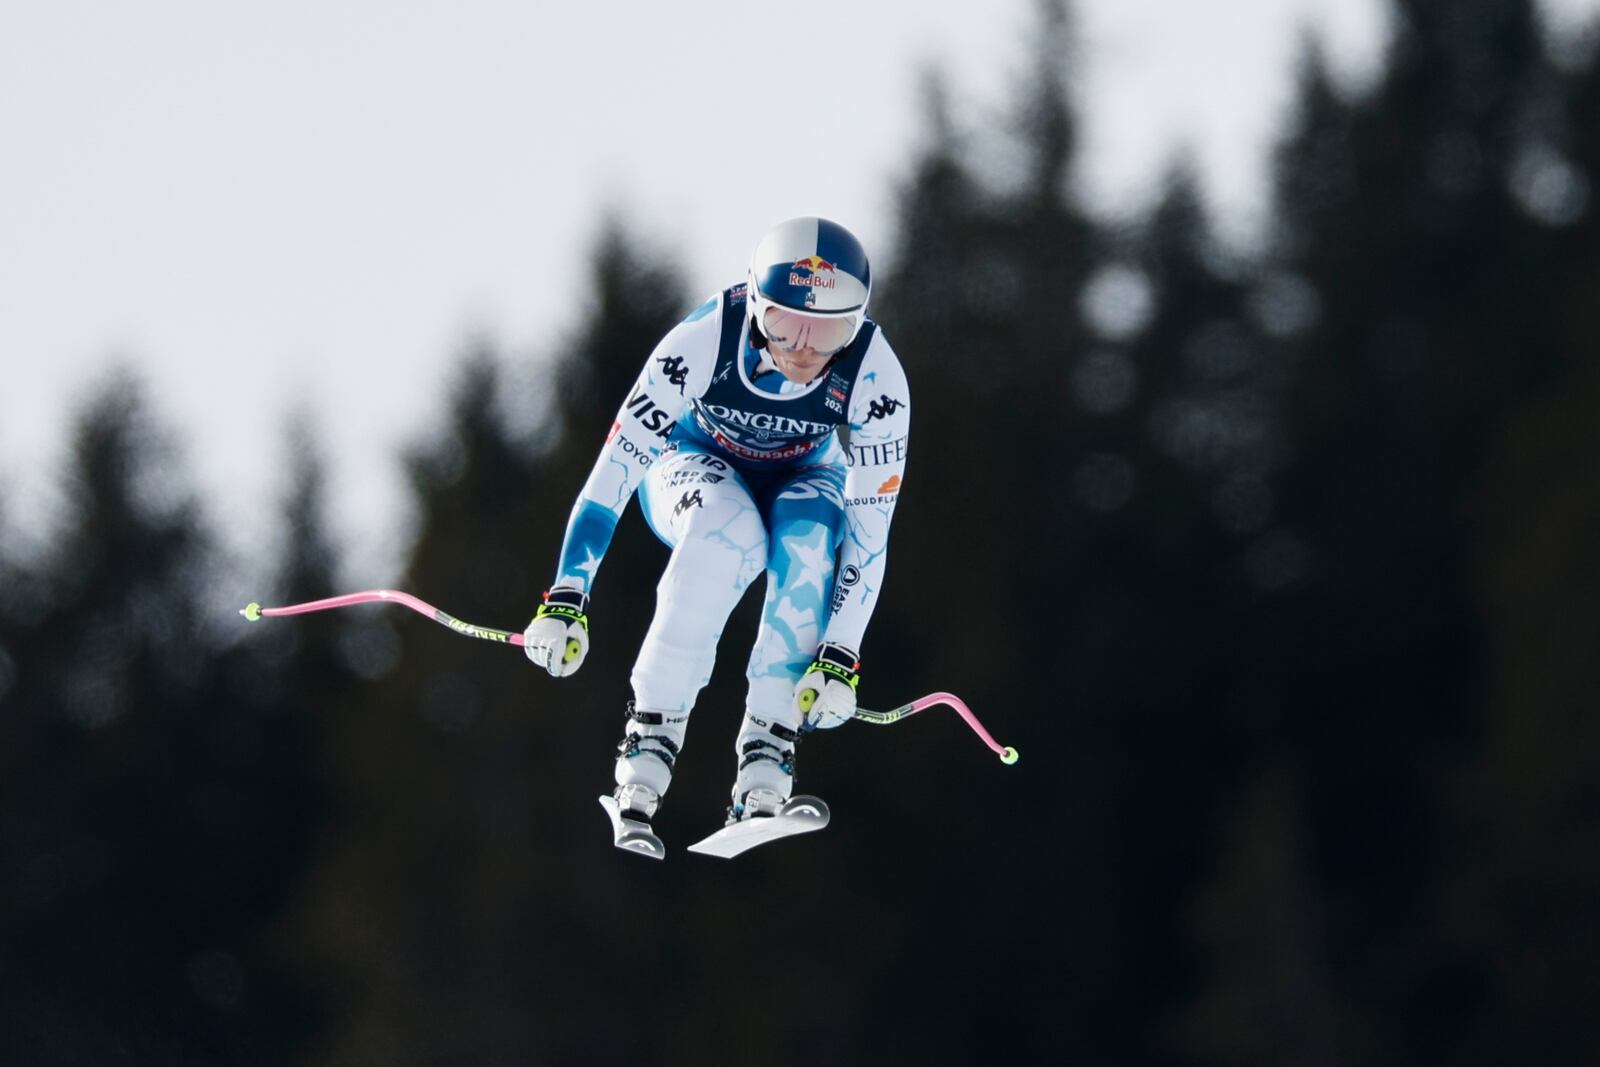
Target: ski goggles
789 330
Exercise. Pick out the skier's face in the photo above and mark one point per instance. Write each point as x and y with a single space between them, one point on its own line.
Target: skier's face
801 345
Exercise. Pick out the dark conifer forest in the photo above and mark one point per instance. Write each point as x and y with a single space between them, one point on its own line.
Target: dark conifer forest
1280 569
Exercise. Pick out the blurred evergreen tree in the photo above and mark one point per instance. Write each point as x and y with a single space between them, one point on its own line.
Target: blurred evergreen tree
1522 900
1259 991
299 675
152 812
1425 296
1280 575
453 911
1231 551
413 868
983 300
23 600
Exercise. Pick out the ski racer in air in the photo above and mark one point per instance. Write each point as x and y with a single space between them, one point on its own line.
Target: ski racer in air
765 435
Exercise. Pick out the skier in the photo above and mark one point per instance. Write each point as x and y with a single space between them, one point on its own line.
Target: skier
730 430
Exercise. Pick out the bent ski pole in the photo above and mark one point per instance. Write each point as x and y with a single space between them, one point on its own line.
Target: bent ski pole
1007 754
255 612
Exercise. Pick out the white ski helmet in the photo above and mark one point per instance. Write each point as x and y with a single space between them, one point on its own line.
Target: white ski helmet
809 283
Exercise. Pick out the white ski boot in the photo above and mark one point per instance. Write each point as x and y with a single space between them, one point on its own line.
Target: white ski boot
762 809
645 757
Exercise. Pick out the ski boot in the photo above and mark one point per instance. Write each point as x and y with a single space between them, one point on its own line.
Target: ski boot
643 772
762 809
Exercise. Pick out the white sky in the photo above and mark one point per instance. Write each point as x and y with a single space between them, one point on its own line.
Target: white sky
317 202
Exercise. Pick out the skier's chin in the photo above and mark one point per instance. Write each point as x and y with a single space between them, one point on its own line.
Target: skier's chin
800 369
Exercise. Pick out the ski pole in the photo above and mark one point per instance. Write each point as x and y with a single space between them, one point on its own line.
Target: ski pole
1007 754
255 612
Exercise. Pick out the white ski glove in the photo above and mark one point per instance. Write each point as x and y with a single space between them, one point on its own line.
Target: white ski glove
558 637
826 694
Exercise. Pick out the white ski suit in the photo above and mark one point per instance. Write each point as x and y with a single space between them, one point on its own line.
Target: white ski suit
743 473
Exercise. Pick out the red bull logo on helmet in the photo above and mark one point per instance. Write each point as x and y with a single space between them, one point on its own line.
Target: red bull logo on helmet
809 271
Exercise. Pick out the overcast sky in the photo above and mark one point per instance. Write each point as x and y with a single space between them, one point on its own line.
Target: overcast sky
317 202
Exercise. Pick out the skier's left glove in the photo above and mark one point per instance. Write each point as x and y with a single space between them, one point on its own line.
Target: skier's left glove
558 637
825 696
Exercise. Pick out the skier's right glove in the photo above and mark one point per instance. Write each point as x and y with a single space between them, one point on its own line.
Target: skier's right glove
558 637
825 696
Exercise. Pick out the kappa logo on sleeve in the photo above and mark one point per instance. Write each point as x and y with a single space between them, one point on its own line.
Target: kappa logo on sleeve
673 367
883 407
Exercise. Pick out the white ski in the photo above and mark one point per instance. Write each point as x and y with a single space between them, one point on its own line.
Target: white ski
800 815
632 835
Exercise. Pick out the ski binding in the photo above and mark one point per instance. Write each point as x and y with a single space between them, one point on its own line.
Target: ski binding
632 835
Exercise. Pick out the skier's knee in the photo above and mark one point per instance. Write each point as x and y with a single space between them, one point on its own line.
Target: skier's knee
815 542
726 520
724 547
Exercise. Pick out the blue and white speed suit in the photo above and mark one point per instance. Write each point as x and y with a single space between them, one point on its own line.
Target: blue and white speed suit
745 472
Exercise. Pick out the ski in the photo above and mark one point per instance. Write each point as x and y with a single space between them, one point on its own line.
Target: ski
800 815
632 835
